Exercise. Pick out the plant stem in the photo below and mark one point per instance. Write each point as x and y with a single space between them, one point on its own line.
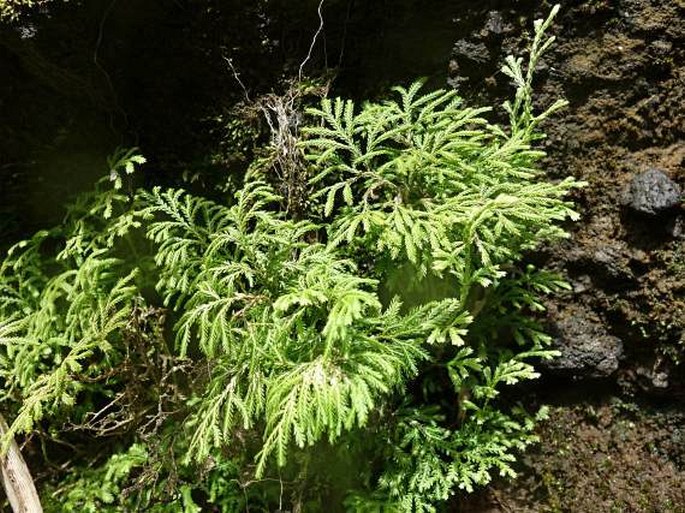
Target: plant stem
16 478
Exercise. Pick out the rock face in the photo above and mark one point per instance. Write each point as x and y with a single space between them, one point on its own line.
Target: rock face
587 350
652 193
476 52
621 66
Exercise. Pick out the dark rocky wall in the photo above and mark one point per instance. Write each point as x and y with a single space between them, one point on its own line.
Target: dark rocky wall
621 66
615 440
85 77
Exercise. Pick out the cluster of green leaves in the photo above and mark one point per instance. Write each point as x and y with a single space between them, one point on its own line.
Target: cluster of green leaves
107 488
65 300
94 490
13 9
293 332
370 338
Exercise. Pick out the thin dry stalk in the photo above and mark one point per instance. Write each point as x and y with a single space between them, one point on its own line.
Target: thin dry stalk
16 478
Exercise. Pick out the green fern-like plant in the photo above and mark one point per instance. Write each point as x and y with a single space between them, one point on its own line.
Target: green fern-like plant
352 356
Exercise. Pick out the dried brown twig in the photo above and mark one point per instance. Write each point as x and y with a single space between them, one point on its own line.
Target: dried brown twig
16 478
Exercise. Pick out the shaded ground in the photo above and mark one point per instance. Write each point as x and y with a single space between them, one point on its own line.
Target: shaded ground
612 457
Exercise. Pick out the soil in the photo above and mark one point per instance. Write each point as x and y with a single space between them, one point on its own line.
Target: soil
605 457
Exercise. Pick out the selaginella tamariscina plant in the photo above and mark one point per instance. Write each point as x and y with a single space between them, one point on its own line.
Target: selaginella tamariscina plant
206 355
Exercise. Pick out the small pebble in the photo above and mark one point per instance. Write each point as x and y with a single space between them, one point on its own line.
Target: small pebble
652 192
